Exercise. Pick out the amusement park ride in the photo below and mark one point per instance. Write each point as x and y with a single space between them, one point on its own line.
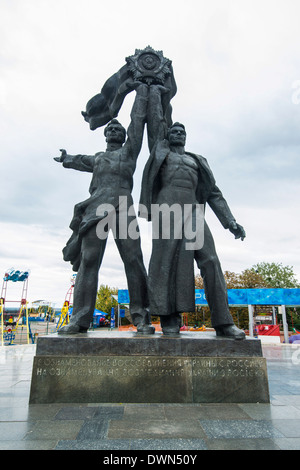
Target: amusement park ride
65 311
11 322
13 319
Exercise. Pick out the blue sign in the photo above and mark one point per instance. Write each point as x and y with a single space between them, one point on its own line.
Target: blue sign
112 318
200 298
237 296
122 313
123 296
242 297
292 297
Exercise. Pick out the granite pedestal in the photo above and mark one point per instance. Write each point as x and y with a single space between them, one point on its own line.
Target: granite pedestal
118 367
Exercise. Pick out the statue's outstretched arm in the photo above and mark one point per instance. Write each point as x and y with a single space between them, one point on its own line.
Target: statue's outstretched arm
77 162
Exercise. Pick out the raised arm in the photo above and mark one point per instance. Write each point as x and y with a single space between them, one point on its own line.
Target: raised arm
138 115
156 120
77 162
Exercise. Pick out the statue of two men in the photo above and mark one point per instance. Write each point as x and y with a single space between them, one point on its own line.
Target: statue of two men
171 176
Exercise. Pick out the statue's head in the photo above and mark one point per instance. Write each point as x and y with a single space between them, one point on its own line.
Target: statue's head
176 134
115 132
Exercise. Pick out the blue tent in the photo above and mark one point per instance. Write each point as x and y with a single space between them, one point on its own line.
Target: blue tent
98 313
96 317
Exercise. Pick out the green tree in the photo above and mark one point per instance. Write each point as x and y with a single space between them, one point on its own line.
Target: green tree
105 300
251 279
248 279
277 275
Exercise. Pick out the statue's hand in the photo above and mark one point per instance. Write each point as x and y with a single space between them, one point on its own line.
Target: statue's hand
130 84
62 157
159 88
237 230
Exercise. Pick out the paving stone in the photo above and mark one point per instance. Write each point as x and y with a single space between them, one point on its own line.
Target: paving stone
109 412
168 444
76 412
54 429
239 429
265 411
288 427
93 430
288 443
14 431
92 444
242 444
143 411
28 445
206 411
137 428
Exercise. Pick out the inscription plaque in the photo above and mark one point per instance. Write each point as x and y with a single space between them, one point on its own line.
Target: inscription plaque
151 379
230 380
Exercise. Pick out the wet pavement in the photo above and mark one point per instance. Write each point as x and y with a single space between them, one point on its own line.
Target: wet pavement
157 427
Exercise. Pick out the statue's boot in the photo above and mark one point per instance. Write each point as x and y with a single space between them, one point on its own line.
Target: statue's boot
230 331
143 323
71 329
170 324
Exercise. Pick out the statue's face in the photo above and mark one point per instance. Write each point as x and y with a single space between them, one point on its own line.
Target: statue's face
115 133
177 136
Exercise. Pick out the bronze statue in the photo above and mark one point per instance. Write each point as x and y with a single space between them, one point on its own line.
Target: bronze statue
111 183
173 176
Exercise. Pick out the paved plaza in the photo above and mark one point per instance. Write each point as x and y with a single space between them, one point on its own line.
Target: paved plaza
157 427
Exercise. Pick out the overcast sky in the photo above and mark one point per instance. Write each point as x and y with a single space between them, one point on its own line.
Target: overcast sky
237 69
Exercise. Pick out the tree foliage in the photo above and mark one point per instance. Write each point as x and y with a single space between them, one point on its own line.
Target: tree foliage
277 275
105 300
261 275
248 279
